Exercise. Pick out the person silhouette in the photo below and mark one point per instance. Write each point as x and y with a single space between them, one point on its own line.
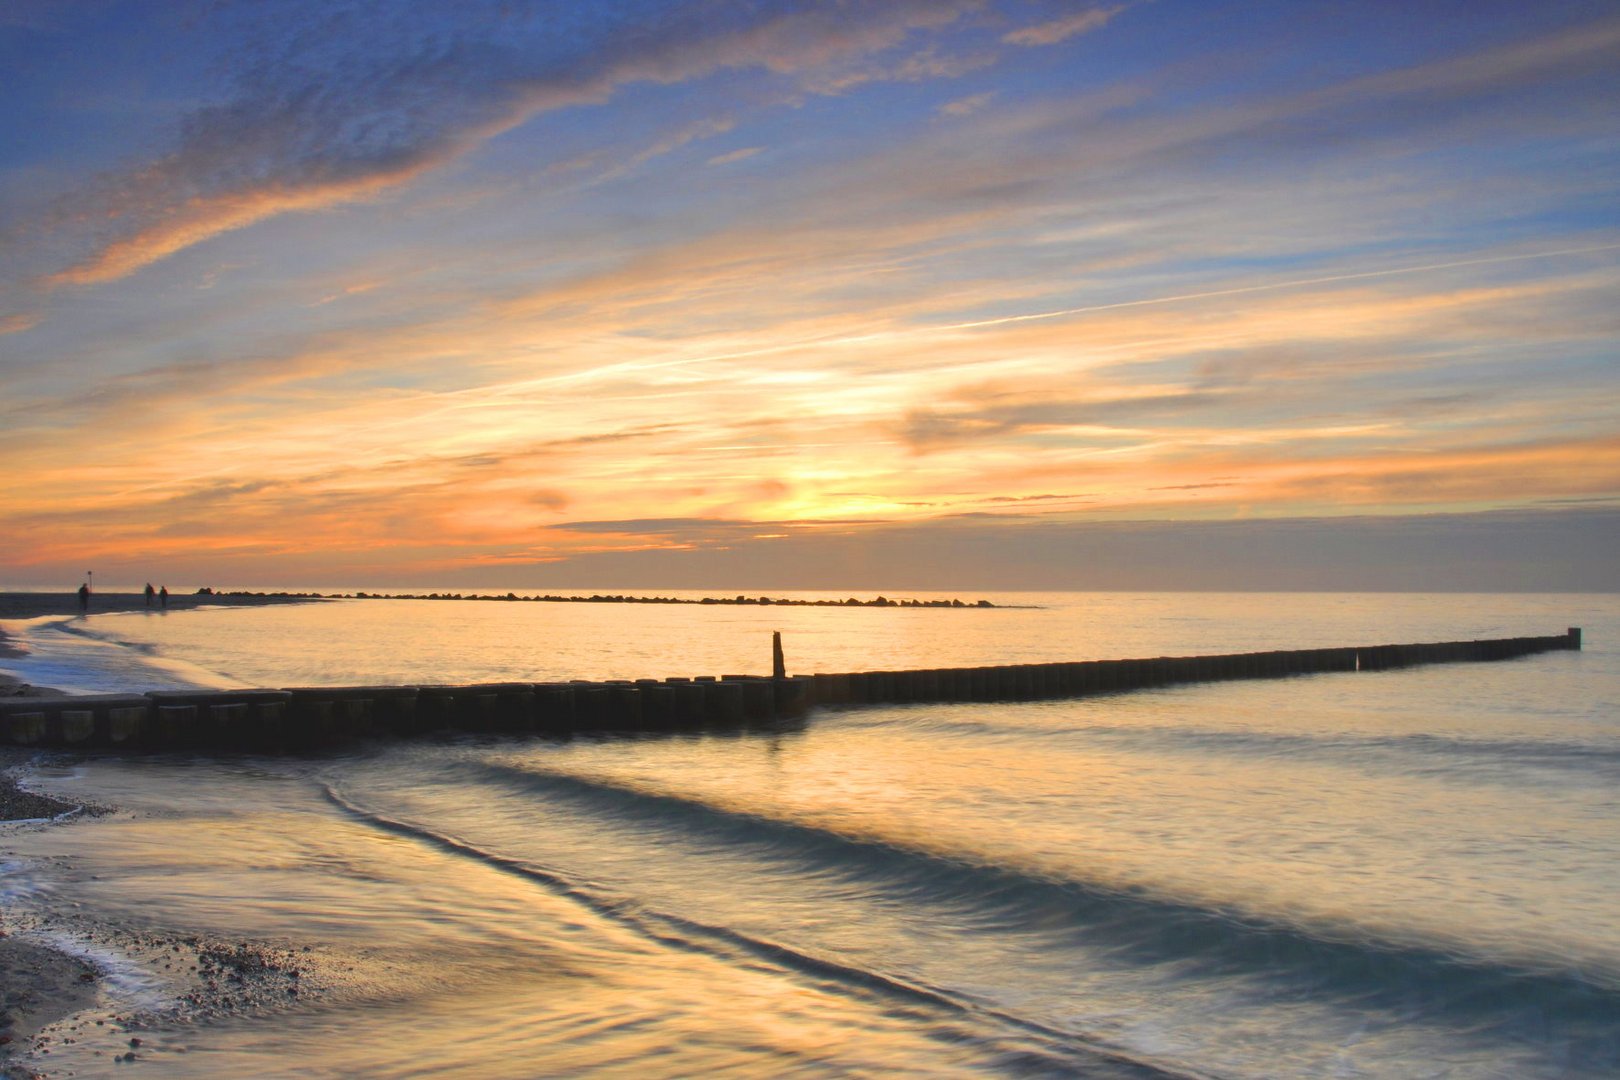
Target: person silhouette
163 595
84 597
150 594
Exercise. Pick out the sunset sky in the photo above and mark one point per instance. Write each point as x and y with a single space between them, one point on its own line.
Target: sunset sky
1002 293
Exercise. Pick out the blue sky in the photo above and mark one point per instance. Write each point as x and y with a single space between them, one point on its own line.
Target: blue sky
517 293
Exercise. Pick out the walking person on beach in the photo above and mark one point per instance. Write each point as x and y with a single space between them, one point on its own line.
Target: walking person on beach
84 598
163 595
150 594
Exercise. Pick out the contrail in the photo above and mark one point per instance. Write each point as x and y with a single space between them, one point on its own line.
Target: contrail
1271 286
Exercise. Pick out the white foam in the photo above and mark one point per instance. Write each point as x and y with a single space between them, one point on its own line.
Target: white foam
77 656
123 979
64 815
16 881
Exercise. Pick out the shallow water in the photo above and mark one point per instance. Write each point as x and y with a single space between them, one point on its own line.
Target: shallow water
415 641
1403 873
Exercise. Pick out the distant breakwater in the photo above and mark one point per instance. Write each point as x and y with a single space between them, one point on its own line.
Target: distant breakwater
33 605
618 598
301 719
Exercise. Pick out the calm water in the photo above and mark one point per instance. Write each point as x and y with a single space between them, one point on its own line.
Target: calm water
1409 873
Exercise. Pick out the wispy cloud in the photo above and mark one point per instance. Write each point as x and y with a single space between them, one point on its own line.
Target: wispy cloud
973 283
1056 30
310 127
928 64
674 140
357 289
970 104
731 156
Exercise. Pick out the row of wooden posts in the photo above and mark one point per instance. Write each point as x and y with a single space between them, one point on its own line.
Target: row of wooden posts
306 718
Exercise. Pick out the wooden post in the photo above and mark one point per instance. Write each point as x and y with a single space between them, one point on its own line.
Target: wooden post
778 665
725 702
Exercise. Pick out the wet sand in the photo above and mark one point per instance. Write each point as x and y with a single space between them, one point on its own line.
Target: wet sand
19 805
11 687
51 998
38 985
47 995
43 989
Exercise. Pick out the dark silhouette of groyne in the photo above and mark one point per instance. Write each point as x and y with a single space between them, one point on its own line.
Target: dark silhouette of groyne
305 718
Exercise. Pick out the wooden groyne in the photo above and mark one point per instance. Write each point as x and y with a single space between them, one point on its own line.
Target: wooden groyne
304 718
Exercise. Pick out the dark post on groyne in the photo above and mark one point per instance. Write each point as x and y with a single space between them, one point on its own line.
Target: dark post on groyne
298 719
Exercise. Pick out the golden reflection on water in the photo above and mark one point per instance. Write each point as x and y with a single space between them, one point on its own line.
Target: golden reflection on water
1116 794
1092 866
408 641
427 961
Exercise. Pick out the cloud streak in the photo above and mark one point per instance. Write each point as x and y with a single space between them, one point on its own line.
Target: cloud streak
572 287
1057 30
306 131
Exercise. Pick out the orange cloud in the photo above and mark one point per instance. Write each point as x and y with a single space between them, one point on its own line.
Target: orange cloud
735 155
293 170
202 218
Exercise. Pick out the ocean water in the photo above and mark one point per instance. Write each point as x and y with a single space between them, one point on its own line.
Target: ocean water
1409 873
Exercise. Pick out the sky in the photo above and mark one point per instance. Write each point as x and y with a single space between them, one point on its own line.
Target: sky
811 294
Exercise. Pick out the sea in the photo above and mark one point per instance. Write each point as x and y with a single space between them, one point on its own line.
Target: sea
1405 873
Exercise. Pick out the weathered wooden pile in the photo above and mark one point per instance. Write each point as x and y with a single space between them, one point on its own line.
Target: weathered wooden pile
304 718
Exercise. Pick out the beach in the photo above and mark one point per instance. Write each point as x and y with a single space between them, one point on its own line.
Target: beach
38 985
1372 874
58 972
11 686
20 606
41 985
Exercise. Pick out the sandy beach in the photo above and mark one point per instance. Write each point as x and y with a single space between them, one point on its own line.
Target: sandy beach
41 986
52 999
13 687
38 985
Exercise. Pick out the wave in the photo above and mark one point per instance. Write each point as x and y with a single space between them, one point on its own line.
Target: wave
72 655
1131 926
1035 1048
1419 752
78 628
130 986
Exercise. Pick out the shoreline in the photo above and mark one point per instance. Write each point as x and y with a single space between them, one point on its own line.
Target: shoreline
16 803
27 605
13 687
39 985
55 991
19 606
